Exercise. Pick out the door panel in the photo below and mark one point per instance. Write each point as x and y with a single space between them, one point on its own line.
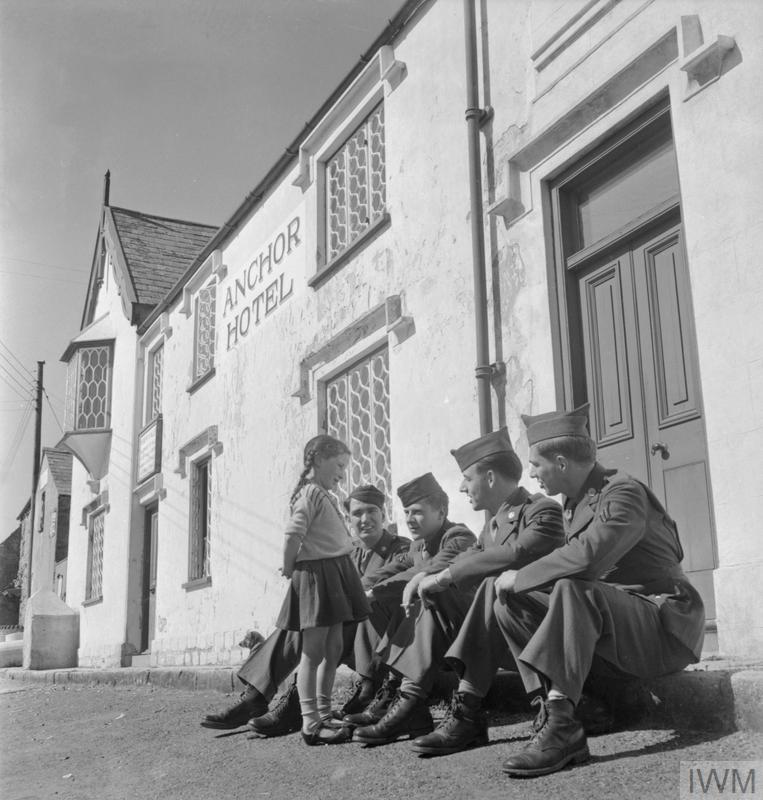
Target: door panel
664 276
608 325
642 383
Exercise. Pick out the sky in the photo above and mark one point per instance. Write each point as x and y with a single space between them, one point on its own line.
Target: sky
187 102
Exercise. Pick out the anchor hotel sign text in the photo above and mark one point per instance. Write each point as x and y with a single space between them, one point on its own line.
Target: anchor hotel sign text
265 283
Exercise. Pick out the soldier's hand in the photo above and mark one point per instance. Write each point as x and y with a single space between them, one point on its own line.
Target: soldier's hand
504 584
429 586
410 591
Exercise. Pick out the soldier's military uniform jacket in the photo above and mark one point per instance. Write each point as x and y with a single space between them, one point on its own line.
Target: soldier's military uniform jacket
525 527
371 561
452 539
618 532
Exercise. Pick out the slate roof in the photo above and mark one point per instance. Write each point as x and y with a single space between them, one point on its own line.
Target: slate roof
60 464
158 250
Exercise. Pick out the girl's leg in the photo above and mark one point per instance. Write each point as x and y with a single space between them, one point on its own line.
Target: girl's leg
327 669
313 653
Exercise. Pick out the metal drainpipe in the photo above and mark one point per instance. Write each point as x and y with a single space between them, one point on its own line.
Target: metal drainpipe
474 116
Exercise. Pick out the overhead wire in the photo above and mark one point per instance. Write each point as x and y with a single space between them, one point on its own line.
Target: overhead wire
11 386
22 386
16 442
53 410
22 375
44 264
16 358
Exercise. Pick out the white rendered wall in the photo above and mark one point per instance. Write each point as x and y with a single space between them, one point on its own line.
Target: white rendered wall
103 624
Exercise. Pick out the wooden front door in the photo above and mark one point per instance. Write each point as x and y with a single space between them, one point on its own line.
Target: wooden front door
637 335
628 345
148 599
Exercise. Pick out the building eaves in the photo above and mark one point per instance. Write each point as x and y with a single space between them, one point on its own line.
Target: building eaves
60 465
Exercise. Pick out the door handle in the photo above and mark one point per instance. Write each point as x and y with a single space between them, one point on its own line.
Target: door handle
662 448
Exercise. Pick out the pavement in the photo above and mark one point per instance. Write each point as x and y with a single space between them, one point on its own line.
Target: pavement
715 695
138 741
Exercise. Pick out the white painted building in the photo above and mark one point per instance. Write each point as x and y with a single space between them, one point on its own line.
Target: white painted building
616 208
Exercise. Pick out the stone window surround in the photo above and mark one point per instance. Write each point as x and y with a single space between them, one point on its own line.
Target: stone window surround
385 323
98 505
212 269
203 445
379 78
154 338
204 457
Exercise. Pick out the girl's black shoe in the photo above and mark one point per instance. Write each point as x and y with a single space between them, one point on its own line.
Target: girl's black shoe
327 734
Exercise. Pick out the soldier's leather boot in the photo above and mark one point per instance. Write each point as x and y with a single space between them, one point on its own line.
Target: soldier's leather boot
595 715
407 716
378 707
464 726
560 741
362 694
251 704
285 716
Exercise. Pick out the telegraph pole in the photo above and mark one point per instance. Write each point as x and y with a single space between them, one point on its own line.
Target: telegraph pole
35 471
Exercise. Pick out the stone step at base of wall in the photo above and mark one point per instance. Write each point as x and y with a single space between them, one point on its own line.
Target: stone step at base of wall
719 698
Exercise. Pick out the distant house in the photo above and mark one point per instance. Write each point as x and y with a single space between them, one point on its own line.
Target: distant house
10 593
50 531
25 555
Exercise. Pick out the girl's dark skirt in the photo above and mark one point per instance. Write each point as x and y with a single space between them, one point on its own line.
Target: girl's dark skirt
323 592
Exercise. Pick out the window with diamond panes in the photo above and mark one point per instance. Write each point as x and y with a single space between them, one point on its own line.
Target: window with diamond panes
154 384
357 412
204 335
88 389
355 185
94 588
201 516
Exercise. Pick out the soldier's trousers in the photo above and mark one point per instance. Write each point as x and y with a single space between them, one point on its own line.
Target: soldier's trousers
366 658
479 648
272 661
554 637
417 647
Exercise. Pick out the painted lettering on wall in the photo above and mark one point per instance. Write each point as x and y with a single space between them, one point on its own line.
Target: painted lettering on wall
264 285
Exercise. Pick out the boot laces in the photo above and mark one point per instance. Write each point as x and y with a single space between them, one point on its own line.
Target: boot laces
449 720
383 695
539 723
283 701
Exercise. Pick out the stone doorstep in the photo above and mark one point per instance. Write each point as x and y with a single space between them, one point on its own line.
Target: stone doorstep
717 699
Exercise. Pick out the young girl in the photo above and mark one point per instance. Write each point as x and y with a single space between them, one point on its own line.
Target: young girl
325 589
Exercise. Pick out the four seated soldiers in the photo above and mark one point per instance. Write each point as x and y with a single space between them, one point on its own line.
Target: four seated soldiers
602 592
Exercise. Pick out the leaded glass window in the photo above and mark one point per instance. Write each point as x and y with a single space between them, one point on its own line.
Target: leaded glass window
201 516
356 185
88 389
357 412
94 586
204 334
154 384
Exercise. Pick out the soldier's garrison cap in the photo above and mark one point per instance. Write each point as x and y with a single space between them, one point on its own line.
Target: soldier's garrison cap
487 445
419 488
556 423
367 493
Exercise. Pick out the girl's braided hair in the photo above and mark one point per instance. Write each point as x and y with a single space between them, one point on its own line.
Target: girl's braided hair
322 445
